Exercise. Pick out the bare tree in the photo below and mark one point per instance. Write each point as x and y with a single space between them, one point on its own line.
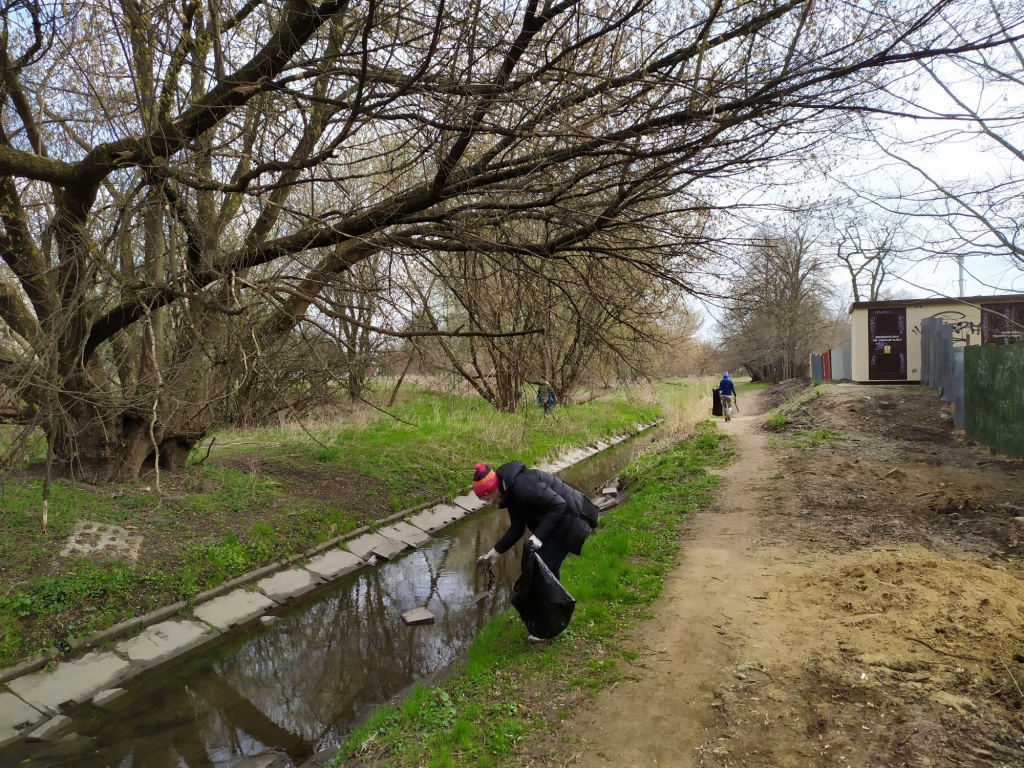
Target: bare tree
963 151
778 313
181 184
869 245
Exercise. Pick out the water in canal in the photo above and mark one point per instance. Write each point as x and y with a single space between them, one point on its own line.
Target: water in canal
300 685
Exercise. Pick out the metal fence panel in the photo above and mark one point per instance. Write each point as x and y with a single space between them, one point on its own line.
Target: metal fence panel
958 387
816 368
839 367
994 396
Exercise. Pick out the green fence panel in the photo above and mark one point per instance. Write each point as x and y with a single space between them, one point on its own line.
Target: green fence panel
994 397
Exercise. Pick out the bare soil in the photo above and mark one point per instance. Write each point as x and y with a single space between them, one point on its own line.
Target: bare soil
855 597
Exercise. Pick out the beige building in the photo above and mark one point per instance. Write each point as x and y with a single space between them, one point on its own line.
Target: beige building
885 336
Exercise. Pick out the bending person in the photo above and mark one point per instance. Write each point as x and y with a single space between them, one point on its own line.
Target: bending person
557 515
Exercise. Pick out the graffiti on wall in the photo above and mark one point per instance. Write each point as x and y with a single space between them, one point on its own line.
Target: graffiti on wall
962 327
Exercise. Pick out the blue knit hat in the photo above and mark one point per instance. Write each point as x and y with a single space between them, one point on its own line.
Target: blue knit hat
725 375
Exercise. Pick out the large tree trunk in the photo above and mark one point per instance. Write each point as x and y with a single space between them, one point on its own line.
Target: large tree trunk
97 446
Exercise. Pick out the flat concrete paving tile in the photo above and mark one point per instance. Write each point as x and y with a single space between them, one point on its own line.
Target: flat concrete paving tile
469 502
51 730
15 713
574 456
287 585
233 608
103 698
165 640
408 534
375 544
335 564
436 518
77 680
428 521
418 616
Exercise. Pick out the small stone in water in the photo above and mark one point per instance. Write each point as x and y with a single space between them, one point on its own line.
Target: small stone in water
418 616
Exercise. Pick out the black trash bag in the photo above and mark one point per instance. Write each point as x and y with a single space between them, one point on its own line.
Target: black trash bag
543 603
716 402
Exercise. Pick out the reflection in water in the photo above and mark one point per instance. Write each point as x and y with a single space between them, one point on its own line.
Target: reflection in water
301 684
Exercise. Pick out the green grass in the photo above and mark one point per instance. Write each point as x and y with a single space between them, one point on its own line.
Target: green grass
751 386
806 439
793 409
426 451
218 522
500 694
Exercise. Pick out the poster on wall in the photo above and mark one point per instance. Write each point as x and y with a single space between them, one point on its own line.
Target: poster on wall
1001 323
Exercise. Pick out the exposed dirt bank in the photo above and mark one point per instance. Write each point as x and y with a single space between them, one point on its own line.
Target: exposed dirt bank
854 598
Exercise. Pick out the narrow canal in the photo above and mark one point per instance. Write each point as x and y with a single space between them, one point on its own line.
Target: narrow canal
300 685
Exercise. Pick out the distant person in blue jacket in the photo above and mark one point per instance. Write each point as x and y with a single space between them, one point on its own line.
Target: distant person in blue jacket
727 391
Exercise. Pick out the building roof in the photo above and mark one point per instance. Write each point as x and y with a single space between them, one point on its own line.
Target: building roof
1002 298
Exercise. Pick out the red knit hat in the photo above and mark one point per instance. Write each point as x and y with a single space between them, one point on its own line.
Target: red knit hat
485 479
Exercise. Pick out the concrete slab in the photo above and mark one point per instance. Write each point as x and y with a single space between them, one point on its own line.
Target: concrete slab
103 698
407 534
233 609
469 502
51 730
287 585
575 456
334 564
89 538
165 641
436 518
76 681
418 616
611 490
375 544
14 715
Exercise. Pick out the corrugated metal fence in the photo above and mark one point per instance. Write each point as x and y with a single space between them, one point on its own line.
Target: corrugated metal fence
942 365
833 364
994 395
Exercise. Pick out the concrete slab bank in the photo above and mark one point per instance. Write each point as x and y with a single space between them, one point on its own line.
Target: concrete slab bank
32 708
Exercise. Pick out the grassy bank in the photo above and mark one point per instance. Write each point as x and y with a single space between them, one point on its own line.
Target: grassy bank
508 691
257 496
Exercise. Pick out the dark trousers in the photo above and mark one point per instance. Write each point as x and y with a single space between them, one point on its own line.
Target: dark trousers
553 553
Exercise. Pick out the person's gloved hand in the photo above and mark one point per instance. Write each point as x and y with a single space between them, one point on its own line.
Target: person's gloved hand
487 559
536 542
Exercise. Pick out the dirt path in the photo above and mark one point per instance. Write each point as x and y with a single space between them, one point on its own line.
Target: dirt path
710 620
828 612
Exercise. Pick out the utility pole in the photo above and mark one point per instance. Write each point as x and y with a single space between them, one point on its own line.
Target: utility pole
960 264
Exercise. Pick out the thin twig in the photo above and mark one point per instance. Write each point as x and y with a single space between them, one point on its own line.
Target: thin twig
1012 678
944 653
208 449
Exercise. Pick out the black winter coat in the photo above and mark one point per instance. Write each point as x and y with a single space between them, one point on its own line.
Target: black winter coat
549 507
